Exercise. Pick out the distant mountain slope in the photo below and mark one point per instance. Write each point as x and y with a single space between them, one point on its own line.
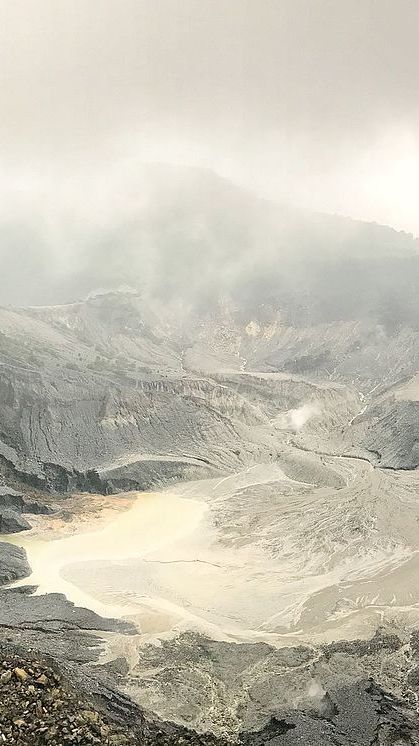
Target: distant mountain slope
187 233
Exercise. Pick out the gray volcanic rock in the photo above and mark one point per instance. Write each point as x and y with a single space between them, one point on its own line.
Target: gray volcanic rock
12 505
52 611
148 472
17 501
36 713
10 497
13 563
12 522
288 695
392 434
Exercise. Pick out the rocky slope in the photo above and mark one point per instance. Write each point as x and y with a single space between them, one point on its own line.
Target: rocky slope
96 397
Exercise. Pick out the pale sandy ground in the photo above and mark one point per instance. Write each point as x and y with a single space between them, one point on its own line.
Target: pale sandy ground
253 556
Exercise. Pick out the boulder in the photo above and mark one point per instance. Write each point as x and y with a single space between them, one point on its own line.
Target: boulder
12 522
13 563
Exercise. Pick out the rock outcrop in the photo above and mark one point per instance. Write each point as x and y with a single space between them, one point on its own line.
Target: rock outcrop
12 522
13 563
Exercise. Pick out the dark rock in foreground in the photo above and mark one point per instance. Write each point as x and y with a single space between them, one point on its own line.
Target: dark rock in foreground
13 563
40 704
36 707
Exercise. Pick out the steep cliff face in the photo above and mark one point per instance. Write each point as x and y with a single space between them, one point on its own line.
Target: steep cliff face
67 409
81 421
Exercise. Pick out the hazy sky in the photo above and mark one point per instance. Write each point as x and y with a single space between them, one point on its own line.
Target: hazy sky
313 102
